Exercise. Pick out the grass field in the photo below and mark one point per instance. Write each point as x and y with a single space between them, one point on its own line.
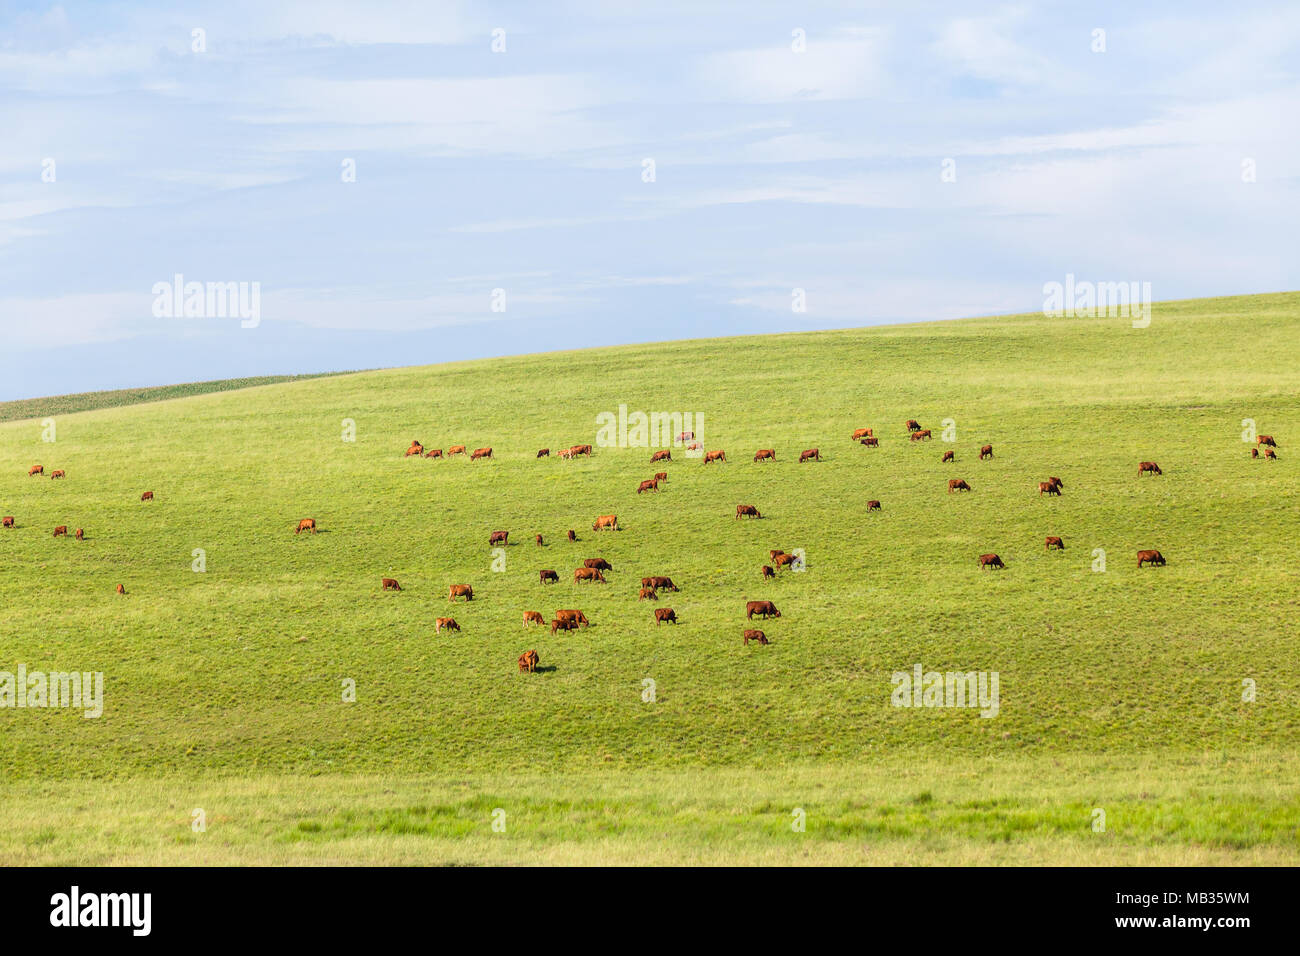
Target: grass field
1119 689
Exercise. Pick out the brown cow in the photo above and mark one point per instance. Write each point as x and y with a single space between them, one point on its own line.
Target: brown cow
660 584
873 505
650 484
36 470
768 572
1056 481
747 511
957 484
572 536
1054 542
1254 453
540 543
560 624
120 589
861 433
664 455
480 453
922 435
580 450
415 449
812 454
61 531
1265 440
455 450
871 442
588 574
764 609
665 614
606 523
599 563
448 622
390 584
661 476
1048 488
990 561
80 535
435 453
147 496
9 521
986 451
784 560
528 662
765 454
544 453
306 524
647 594
1154 557
534 617
1148 466
718 455
1270 453
754 635
498 537
58 473
547 575
913 425
571 615
948 456
460 590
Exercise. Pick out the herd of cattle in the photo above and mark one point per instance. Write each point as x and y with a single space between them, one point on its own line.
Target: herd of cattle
593 569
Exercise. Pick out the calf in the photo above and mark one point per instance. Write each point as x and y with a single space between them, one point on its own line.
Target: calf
664 455
545 576
754 635
306 524
533 617
948 456
871 442
540 543
647 594
147 496
765 454
478 453
747 511
665 614
718 455
1150 557
763 609
58 473
434 453
588 574
460 590
528 662
957 484
559 624
986 451
873 505
1254 453
1048 488
9 521
445 622
499 537
120 589
661 476
768 572
61 531
605 523
572 536
1148 466
650 484
80 535
1270 453
990 561
390 584
1054 542
812 454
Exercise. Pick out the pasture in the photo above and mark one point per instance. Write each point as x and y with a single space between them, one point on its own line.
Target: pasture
226 686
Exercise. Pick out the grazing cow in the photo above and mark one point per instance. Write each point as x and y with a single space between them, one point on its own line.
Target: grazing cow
764 609
1265 440
455 450
871 442
528 662
1270 453
765 454
718 455
948 456
547 575
786 560
588 574
9 521
768 572
1148 466
650 484
986 451
435 453
61 531
1254 453
599 563
58 473
534 617
990 561
1153 557
448 622
873 505
120 589
812 454
660 584
1048 488
559 624
480 453
539 541
861 433
664 455
306 524
544 453
957 484
665 614
922 435
390 584
747 511
606 523
36 470
498 537
416 449
647 594
80 535
580 450
572 535
576 616
913 425
754 635
147 496
1054 542
460 590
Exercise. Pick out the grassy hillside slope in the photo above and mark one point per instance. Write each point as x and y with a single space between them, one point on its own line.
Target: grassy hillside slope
238 671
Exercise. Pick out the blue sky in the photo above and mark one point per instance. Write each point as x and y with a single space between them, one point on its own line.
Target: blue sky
522 170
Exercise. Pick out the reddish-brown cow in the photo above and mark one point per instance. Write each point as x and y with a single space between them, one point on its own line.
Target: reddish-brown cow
948 456
747 511
663 614
1054 542
547 575
448 622
306 524
957 484
605 523
533 617
147 496
718 455
765 454
754 635
990 561
986 451
588 574
390 584
812 454
764 609
1151 557
528 662
460 590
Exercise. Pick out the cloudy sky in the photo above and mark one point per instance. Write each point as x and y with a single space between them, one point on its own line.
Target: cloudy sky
897 162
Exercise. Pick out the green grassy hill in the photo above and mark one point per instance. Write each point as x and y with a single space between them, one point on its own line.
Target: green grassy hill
233 678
